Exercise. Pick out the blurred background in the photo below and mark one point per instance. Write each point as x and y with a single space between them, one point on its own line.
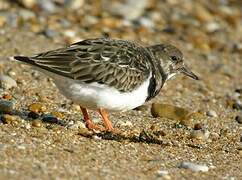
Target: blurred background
204 25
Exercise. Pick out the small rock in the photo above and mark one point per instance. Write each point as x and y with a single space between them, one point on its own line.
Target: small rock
2 21
27 126
186 122
28 3
237 105
6 106
239 90
8 119
164 174
7 96
49 119
240 153
74 4
57 114
159 133
49 33
169 111
198 126
211 113
200 134
26 14
77 125
212 27
33 115
37 108
128 9
202 13
21 147
7 82
37 123
193 166
47 5
96 137
146 22
238 119
126 124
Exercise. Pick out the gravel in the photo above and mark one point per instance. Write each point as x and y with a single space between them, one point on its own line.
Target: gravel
209 35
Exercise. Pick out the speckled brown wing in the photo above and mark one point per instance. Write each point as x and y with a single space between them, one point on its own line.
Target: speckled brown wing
117 63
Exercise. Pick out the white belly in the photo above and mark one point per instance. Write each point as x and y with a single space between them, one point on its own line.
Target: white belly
94 95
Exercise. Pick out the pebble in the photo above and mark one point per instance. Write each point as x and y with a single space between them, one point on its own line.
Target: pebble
49 119
211 113
237 105
194 167
28 3
74 4
169 111
202 13
239 90
2 21
7 96
240 153
128 9
26 14
7 82
77 125
37 108
186 122
198 126
57 114
8 119
6 107
126 124
49 33
33 115
47 5
238 119
200 134
212 27
37 123
95 137
164 174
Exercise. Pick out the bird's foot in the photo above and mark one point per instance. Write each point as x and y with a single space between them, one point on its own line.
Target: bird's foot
97 129
93 127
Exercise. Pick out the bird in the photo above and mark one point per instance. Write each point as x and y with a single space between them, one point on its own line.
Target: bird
105 74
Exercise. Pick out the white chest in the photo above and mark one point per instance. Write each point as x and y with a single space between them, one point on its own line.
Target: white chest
96 95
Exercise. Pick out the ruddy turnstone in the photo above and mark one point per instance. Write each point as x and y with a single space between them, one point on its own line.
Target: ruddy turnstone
106 74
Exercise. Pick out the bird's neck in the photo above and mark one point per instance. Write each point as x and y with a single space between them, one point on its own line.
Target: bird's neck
157 80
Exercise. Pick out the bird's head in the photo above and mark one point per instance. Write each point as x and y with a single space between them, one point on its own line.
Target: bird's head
171 59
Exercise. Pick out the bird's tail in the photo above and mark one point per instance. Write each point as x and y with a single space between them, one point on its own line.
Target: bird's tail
25 59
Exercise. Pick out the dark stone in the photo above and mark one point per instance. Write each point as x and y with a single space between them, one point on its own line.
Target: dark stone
33 115
237 106
49 119
238 119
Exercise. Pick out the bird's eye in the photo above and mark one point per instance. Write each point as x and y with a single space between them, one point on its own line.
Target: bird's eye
174 58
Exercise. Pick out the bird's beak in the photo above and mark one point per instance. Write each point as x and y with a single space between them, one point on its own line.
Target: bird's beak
185 70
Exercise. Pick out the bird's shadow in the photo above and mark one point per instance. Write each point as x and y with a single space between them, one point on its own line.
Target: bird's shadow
143 137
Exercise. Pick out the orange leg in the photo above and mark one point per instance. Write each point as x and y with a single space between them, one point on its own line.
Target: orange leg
89 124
108 125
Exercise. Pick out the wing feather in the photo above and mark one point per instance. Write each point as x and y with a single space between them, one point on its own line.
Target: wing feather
121 64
